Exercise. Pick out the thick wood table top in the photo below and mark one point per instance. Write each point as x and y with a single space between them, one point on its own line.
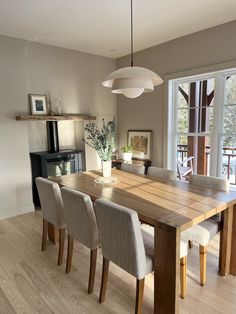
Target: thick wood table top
175 203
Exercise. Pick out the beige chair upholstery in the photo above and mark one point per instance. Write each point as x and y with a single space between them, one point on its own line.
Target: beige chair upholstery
183 260
205 231
183 244
161 173
53 211
137 169
80 216
82 226
122 240
126 244
51 202
210 182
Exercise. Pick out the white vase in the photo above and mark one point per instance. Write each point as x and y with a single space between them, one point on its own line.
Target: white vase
127 156
106 168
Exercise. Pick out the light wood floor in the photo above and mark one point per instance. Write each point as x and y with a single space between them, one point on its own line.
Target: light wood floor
31 282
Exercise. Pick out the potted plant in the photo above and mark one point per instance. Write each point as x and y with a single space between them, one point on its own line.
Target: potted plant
102 140
127 152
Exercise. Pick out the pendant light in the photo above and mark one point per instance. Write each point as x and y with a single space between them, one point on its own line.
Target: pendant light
132 81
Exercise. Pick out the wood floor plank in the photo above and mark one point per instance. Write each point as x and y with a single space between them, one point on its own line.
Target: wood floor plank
5 305
14 296
44 289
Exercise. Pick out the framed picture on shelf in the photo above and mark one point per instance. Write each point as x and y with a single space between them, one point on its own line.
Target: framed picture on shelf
141 141
38 104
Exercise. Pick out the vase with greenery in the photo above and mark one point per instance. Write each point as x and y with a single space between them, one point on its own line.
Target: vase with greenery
127 152
103 141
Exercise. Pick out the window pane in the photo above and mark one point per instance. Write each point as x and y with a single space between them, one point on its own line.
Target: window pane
203 155
197 146
183 94
183 120
230 94
185 146
230 119
206 119
184 156
229 158
210 92
210 119
229 141
182 147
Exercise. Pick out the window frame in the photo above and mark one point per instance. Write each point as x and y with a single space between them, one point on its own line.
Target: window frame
217 134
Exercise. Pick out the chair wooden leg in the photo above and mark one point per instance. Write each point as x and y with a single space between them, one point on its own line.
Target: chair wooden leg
183 274
61 245
105 270
69 254
53 233
203 257
139 295
190 244
93 262
45 234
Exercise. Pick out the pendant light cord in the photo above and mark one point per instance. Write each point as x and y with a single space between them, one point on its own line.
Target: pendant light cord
132 44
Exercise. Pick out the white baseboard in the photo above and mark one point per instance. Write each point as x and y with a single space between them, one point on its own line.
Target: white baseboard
7 213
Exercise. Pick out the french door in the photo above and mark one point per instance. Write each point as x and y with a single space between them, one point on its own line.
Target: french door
202 123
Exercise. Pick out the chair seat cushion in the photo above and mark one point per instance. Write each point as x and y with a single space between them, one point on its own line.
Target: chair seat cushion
183 248
202 233
148 239
61 225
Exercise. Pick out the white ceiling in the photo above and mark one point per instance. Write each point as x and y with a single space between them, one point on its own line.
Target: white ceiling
102 27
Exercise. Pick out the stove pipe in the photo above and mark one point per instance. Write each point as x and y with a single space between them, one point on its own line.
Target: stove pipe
52 134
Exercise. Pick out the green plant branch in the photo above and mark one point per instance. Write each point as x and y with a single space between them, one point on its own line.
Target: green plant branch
102 140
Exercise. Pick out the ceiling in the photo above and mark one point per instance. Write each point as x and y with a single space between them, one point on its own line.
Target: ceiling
102 27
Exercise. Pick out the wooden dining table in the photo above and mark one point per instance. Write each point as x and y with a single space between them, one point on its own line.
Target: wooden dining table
171 207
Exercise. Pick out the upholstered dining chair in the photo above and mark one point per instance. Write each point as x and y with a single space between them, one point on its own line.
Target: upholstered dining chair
183 259
137 169
125 244
205 231
161 173
82 226
53 212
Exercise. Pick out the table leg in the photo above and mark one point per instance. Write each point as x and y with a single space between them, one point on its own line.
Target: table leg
167 269
53 233
233 247
225 241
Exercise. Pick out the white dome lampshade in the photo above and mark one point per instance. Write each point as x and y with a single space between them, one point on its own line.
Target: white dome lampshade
132 81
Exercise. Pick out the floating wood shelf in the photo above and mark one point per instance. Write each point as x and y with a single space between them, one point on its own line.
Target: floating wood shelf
75 117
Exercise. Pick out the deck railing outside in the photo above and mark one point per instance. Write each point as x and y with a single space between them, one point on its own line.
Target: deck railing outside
229 160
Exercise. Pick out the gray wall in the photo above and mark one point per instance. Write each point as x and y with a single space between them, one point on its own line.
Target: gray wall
208 50
27 67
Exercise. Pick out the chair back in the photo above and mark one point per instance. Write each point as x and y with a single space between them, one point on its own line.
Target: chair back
137 169
80 216
161 173
210 182
51 202
121 237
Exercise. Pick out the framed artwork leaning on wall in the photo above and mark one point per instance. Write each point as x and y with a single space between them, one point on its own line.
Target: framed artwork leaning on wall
141 141
38 104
